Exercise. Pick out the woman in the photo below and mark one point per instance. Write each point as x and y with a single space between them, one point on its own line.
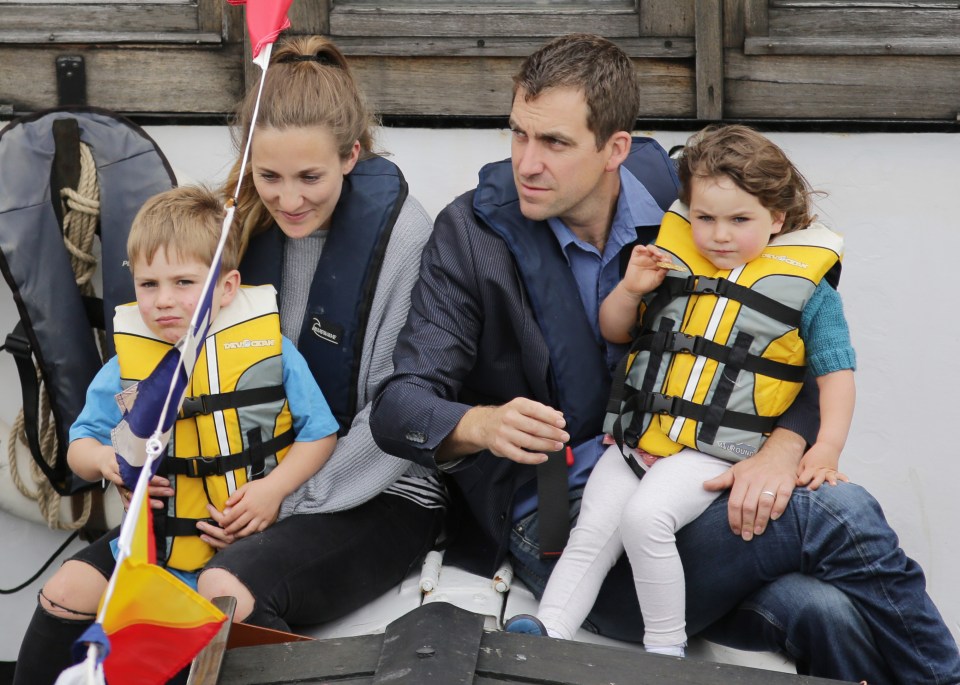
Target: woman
331 226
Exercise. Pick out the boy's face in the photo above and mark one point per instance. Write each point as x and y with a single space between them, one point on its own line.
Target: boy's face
730 226
168 291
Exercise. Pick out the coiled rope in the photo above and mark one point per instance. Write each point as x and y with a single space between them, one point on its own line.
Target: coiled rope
79 230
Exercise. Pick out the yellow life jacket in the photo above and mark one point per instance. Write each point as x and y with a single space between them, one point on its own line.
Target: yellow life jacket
719 356
235 424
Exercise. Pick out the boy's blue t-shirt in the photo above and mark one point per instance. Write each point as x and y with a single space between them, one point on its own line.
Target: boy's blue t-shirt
312 418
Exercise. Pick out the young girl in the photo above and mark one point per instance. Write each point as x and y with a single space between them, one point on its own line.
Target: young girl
734 307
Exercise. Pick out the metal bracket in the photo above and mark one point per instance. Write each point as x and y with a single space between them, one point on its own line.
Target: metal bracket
71 80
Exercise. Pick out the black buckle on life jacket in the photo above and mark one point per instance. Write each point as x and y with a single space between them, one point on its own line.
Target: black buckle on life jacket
18 345
701 285
658 403
683 342
201 467
195 406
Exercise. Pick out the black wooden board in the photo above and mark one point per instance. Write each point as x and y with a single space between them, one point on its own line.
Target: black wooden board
444 645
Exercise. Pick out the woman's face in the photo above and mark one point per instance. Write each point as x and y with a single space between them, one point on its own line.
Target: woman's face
299 175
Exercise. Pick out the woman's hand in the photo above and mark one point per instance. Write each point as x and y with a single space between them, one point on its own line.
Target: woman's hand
215 535
252 508
159 488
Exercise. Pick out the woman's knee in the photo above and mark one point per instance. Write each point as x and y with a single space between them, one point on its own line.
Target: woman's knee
73 592
218 582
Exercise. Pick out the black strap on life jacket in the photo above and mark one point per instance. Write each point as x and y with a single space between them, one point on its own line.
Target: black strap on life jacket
254 455
658 403
176 526
735 362
630 436
703 285
208 404
682 343
19 348
553 503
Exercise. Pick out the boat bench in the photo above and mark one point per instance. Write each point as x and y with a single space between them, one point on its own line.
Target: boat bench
449 601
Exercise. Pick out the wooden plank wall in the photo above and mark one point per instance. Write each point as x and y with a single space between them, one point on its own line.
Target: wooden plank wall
701 60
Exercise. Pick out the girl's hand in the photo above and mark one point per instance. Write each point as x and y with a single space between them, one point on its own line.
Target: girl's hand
642 274
819 466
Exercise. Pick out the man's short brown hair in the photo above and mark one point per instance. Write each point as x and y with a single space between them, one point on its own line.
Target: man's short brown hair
186 222
594 66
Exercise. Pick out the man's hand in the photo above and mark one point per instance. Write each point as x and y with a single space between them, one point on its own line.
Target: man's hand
521 430
761 485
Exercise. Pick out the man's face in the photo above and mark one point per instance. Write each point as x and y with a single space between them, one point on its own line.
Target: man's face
556 164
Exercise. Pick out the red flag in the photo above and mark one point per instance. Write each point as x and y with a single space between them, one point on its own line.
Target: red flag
265 20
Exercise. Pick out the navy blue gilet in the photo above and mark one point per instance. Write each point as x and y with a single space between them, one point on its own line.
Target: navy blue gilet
341 295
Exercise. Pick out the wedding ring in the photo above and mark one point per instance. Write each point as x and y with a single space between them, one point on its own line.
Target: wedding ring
767 492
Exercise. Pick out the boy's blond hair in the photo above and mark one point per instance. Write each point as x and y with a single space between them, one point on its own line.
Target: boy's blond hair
186 222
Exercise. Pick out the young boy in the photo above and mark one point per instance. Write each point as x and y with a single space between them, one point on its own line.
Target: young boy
254 426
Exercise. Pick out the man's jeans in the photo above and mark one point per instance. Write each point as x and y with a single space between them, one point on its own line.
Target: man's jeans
751 595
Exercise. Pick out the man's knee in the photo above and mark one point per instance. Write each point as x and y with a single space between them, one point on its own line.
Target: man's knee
822 608
848 501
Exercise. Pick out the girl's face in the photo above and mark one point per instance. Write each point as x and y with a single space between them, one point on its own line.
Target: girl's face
299 175
730 226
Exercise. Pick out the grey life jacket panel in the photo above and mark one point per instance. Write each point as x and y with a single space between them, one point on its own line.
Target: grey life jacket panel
56 322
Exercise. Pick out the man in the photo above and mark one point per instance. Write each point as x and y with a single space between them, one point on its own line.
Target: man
501 362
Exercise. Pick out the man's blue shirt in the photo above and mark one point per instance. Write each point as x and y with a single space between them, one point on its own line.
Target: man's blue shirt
596 275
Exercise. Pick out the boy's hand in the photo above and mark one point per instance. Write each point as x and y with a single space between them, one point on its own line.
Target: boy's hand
643 274
108 465
819 465
252 508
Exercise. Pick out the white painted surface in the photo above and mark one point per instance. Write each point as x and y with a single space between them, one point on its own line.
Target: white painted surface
892 195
